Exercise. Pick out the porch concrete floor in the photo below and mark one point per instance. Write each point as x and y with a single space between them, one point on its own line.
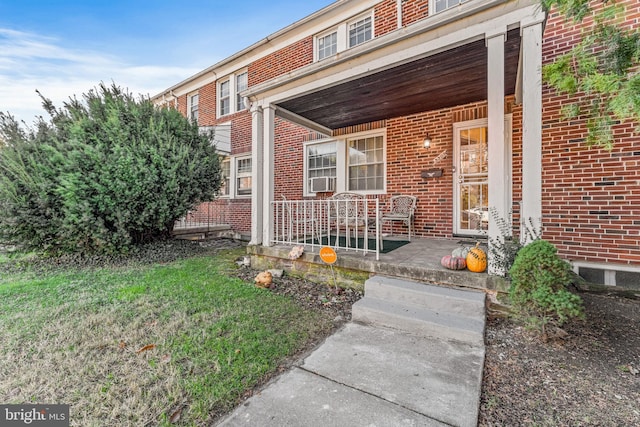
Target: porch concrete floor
419 260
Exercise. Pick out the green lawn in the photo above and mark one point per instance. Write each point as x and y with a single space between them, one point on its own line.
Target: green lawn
75 337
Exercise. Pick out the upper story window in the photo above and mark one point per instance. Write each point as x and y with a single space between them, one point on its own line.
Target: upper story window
241 84
440 5
346 35
360 31
229 89
193 107
327 45
224 103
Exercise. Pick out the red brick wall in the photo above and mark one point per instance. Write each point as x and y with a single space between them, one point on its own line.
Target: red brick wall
413 11
591 197
207 105
386 14
282 61
406 158
289 160
182 104
385 17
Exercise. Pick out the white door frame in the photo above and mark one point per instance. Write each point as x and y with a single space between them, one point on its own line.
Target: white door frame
507 173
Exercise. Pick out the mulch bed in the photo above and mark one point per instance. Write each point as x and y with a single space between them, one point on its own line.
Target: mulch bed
588 378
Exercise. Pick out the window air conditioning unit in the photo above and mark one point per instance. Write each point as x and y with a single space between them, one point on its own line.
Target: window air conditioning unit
322 184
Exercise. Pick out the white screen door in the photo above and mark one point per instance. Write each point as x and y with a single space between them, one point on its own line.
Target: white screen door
471 176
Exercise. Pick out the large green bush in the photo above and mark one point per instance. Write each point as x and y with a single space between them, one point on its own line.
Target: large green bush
539 286
105 173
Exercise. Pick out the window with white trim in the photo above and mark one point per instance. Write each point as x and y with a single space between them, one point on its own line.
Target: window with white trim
441 5
321 161
243 176
193 107
360 31
357 163
346 35
365 165
241 84
229 89
327 45
224 101
225 176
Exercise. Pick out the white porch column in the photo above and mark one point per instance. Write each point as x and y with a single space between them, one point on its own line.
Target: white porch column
531 212
498 192
269 115
256 174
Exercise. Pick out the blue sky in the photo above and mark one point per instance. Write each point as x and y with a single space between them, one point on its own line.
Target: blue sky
65 48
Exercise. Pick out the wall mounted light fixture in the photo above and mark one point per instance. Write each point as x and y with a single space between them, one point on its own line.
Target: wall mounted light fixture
427 141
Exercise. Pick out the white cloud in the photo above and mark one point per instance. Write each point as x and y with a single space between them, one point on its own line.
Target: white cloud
31 61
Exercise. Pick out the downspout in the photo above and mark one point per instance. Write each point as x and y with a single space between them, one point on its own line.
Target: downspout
399 12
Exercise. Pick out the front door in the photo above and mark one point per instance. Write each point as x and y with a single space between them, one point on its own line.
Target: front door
471 178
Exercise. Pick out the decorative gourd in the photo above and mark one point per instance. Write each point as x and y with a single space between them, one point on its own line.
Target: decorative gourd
477 259
460 252
264 279
453 262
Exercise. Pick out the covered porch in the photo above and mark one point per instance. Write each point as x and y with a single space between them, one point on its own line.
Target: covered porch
482 52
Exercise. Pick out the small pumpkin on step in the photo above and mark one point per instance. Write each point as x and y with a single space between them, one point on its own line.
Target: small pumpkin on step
477 259
453 262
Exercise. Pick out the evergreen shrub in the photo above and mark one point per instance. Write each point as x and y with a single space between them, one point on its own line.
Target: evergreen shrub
539 286
102 175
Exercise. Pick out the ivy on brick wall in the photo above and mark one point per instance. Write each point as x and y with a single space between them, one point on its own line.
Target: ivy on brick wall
603 67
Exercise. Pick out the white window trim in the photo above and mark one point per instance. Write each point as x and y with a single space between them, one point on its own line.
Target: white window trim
342 31
235 90
189 105
432 7
342 161
339 147
360 135
369 14
227 159
317 37
235 176
232 79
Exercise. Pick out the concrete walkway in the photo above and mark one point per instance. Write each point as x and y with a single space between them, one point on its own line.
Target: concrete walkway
366 375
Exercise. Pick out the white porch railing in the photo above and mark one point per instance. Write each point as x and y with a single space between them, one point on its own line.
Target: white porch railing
352 225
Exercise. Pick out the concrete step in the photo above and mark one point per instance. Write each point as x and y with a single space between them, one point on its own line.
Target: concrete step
438 298
419 321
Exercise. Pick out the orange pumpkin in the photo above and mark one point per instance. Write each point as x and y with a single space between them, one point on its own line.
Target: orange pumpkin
477 259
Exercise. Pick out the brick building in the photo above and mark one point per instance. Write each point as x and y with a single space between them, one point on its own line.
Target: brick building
346 97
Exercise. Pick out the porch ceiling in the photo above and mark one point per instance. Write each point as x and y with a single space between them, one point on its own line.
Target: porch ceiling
453 77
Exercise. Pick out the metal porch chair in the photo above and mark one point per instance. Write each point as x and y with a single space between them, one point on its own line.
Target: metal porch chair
401 208
349 211
301 219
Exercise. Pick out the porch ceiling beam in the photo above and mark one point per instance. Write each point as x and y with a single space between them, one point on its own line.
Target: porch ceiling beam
302 121
387 52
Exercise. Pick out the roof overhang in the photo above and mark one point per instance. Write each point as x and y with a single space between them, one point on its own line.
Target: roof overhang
435 63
